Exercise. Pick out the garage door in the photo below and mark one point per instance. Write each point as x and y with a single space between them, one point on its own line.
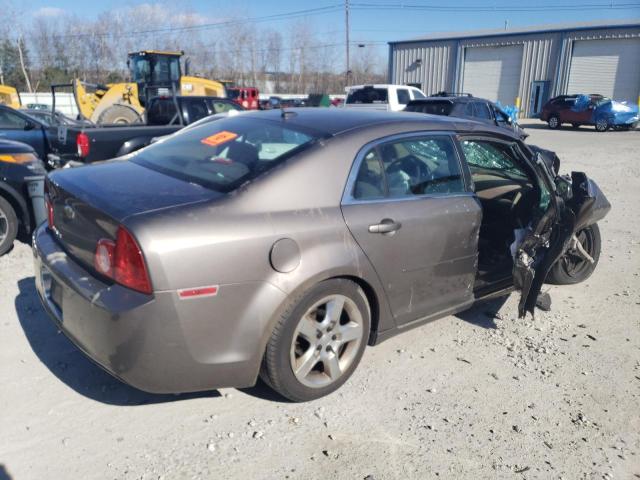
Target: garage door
493 72
607 67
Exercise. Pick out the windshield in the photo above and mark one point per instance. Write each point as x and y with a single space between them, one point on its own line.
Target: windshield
367 95
232 94
222 155
155 69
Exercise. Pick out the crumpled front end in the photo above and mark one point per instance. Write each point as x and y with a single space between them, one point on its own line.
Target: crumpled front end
576 202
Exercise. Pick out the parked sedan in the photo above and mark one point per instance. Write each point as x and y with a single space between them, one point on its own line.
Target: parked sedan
281 243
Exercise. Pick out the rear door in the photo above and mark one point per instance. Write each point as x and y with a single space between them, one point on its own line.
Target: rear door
409 208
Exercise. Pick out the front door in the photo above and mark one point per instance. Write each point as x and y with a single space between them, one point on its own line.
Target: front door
408 208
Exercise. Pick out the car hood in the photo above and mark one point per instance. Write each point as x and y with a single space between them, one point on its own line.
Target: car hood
121 188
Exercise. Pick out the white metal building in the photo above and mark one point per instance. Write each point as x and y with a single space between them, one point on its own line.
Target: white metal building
525 66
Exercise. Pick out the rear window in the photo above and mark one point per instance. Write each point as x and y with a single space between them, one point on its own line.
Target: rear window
433 108
223 155
368 95
403 96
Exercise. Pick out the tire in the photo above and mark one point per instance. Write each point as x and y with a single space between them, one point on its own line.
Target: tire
554 122
119 114
308 335
602 124
572 268
8 226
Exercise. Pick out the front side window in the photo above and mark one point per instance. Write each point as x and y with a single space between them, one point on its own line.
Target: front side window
224 154
409 167
494 156
418 94
11 120
222 107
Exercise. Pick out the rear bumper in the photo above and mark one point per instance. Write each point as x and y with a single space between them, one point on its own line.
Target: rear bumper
157 343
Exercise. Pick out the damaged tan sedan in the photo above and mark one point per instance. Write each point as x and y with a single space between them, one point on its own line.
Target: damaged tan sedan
279 244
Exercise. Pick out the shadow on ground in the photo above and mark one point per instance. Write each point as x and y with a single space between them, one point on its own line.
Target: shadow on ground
484 314
71 366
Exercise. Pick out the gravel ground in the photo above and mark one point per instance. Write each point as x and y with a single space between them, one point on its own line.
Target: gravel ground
477 395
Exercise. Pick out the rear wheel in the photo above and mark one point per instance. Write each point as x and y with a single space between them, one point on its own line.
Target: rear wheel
574 267
119 114
318 342
8 226
553 122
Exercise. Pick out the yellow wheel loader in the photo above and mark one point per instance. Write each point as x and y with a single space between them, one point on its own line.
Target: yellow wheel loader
9 96
153 73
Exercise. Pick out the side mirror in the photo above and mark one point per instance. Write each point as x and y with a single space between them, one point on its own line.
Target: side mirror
29 126
510 121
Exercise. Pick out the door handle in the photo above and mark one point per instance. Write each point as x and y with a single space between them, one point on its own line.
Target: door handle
385 226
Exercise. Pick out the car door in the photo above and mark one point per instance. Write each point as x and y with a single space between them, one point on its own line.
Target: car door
20 128
410 210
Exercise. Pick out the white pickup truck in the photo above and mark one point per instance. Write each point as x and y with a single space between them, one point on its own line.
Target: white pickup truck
381 96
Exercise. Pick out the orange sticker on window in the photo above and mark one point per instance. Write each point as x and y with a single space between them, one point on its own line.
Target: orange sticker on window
219 138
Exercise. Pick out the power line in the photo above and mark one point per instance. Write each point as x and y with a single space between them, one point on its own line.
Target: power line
494 8
209 26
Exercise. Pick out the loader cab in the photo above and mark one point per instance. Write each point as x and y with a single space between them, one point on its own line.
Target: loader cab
156 73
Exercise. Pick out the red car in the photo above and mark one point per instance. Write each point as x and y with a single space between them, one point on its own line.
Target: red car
561 110
247 97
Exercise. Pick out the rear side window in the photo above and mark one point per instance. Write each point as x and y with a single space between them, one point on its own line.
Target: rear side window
197 109
433 107
409 167
224 154
403 96
481 110
367 95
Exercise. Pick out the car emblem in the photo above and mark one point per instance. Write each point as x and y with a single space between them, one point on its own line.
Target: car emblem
69 212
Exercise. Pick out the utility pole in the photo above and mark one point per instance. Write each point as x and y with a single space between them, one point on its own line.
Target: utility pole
346 17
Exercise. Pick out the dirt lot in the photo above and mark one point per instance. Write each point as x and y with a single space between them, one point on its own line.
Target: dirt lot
479 395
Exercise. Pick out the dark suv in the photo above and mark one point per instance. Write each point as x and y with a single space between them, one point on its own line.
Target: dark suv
465 106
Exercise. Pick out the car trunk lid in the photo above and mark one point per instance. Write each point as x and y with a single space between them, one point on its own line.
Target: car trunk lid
89 203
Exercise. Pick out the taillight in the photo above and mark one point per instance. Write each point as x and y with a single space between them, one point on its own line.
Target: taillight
82 141
49 213
48 206
122 261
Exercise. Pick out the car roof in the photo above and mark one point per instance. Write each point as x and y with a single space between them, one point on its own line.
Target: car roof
336 121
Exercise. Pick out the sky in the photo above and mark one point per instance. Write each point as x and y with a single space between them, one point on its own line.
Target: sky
380 21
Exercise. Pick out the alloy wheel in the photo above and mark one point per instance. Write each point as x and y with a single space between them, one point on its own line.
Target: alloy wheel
326 341
602 125
553 122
